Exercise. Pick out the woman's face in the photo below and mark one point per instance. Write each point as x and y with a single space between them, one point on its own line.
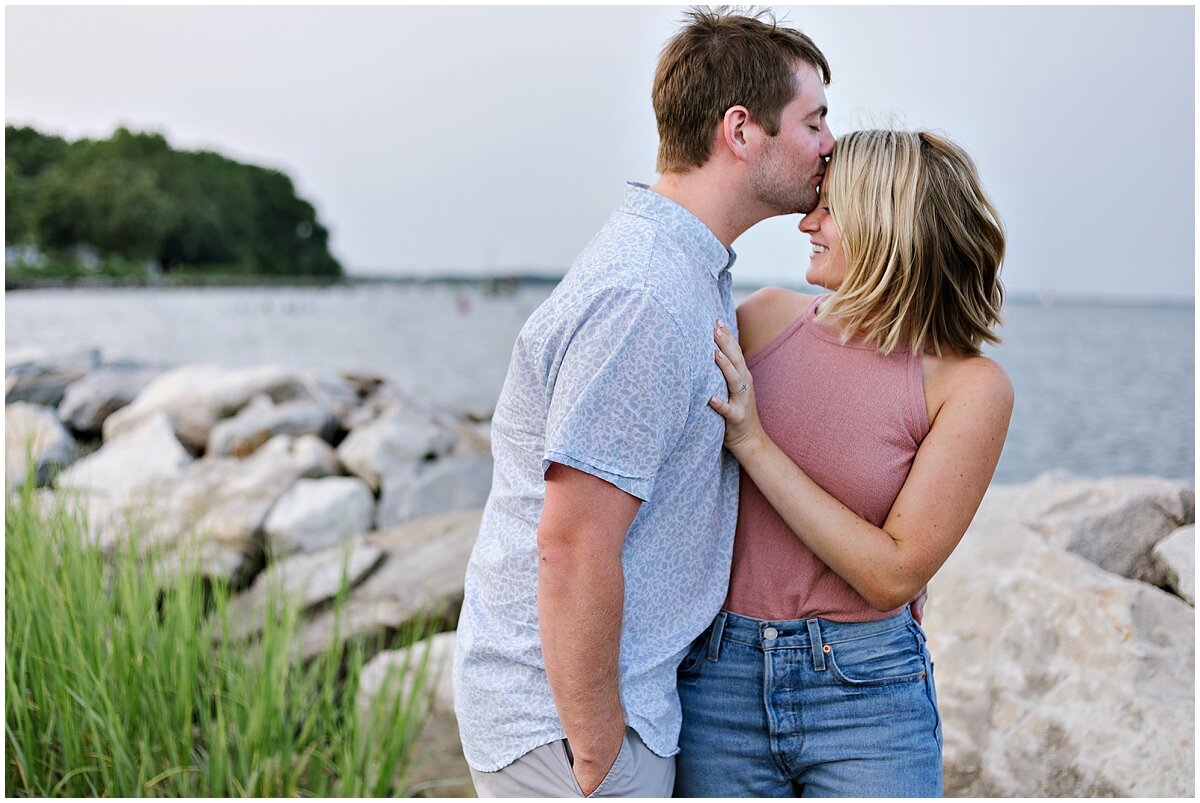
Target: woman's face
827 263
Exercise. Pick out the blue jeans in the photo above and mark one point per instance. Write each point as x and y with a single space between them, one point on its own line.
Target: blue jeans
809 708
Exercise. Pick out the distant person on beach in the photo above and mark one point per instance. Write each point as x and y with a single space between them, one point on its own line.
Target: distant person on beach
606 542
868 426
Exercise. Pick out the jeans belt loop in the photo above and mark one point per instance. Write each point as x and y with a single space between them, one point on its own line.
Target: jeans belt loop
714 639
814 639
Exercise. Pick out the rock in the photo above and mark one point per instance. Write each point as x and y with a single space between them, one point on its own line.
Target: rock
421 581
377 397
35 376
136 465
1056 678
480 439
399 438
1114 522
343 396
211 521
34 435
437 766
316 514
1175 563
438 486
262 419
196 397
302 580
89 401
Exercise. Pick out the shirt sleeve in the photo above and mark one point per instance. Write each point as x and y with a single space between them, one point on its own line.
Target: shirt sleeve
622 392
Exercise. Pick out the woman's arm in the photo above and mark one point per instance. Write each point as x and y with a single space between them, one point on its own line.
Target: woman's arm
888 566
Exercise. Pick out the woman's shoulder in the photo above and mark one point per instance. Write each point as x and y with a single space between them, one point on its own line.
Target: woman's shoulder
766 313
975 382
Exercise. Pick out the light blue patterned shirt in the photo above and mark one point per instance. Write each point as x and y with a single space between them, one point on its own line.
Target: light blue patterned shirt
610 375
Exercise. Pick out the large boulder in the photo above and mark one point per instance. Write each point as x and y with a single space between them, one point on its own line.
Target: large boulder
263 419
398 439
1175 560
457 482
421 582
421 676
1114 522
88 402
34 436
211 521
317 514
196 397
300 580
343 394
132 469
1056 678
40 377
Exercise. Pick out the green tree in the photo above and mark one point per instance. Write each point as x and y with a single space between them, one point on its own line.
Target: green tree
134 196
16 206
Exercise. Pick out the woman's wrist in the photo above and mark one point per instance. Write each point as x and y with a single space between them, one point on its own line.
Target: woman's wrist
745 447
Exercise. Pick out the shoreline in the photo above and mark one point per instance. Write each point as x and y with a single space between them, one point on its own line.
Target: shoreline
503 284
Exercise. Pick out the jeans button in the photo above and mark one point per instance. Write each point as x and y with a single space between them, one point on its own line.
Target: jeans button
770 634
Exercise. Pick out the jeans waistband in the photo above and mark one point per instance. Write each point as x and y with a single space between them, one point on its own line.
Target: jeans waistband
812 633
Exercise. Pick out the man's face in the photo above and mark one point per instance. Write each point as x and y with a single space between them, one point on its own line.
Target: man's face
791 165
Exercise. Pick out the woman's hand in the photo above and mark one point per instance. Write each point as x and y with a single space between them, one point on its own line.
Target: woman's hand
742 427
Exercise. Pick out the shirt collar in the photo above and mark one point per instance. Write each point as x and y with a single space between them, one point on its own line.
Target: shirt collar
687 230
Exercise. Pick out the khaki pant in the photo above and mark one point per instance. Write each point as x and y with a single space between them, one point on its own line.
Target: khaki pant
546 772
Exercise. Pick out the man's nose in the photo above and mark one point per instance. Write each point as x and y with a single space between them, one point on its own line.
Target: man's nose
827 142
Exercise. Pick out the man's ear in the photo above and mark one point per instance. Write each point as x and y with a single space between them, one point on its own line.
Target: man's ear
737 129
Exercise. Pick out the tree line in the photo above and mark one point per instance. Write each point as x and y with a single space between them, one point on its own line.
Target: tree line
134 198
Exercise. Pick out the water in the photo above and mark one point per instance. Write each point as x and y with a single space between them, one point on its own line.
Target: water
1100 390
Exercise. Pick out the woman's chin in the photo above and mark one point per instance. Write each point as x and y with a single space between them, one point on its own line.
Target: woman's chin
814 279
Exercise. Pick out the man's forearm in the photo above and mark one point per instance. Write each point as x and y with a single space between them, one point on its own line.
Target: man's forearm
580 603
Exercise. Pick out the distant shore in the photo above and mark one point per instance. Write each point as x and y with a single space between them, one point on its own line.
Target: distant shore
501 284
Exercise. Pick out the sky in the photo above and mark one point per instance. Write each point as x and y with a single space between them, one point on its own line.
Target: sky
469 140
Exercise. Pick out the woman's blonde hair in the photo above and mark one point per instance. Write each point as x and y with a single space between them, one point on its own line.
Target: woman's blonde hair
923 244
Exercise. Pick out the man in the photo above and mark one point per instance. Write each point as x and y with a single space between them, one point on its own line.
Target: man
606 541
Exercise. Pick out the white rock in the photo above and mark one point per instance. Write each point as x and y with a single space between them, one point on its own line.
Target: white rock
1056 678
211 520
34 435
421 581
262 419
1114 522
301 580
196 397
134 464
1175 558
89 401
398 438
317 514
421 677
438 486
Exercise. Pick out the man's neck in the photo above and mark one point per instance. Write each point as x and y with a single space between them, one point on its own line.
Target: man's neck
718 203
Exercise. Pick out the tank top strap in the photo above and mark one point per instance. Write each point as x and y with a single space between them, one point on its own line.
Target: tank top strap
803 318
810 311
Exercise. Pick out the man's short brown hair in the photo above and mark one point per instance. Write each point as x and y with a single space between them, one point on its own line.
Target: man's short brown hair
723 59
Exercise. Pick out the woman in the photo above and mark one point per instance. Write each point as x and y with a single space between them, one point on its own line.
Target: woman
868 426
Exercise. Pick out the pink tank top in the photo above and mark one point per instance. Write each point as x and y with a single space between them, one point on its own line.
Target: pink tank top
852 419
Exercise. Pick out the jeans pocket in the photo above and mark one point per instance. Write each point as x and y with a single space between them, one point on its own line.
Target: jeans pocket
696 653
886 659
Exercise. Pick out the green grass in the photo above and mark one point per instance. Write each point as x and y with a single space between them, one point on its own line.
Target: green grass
117 687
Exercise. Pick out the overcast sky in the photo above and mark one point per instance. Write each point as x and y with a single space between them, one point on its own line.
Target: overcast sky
498 138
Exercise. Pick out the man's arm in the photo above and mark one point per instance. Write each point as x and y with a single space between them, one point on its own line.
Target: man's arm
581 599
